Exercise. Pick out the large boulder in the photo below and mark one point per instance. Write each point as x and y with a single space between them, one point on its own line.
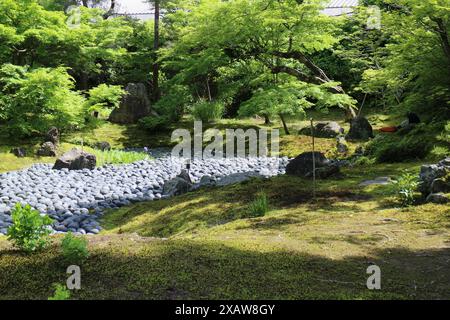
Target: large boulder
429 173
134 105
47 149
179 185
302 166
76 159
324 130
360 129
435 181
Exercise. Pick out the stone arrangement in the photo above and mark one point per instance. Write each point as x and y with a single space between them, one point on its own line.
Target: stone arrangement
50 146
302 166
435 181
76 199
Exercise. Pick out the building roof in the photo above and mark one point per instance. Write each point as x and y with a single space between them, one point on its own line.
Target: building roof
340 7
143 10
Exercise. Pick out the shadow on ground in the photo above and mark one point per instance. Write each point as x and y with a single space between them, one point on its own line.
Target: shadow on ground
137 268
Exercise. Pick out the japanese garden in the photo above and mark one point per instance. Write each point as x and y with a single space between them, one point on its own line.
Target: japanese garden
212 149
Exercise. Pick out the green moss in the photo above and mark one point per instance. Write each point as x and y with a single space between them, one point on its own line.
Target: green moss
201 246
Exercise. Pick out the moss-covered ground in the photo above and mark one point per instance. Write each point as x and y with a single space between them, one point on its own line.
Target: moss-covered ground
202 245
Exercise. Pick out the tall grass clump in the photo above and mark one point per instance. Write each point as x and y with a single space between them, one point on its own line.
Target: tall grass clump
259 206
118 157
208 111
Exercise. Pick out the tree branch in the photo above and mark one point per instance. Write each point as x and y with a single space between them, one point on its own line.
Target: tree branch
443 33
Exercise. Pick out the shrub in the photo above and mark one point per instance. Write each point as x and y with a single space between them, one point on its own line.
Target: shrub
118 157
404 188
363 160
74 248
32 101
29 230
104 98
259 206
154 123
173 104
208 111
390 148
445 135
61 293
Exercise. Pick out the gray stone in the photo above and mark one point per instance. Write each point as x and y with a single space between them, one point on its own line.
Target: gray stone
429 173
103 146
341 145
377 181
19 152
302 166
360 129
134 105
53 136
178 185
237 178
438 198
207 181
324 130
76 160
440 185
47 149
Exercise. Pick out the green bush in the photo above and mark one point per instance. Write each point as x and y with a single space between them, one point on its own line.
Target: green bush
104 98
29 230
404 188
32 101
363 161
208 111
396 147
61 293
154 123
74 248
173 104
445 134
259 206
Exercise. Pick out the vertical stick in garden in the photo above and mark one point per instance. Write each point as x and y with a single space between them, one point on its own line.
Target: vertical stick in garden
313 158
155 78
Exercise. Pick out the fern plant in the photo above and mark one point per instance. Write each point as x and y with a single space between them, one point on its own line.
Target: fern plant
61 293
30 230
405 186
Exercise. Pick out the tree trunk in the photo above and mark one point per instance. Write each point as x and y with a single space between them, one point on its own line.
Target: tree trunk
84 81
443 33
319 76
267 120
286 129
156 93
110 12
209 89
